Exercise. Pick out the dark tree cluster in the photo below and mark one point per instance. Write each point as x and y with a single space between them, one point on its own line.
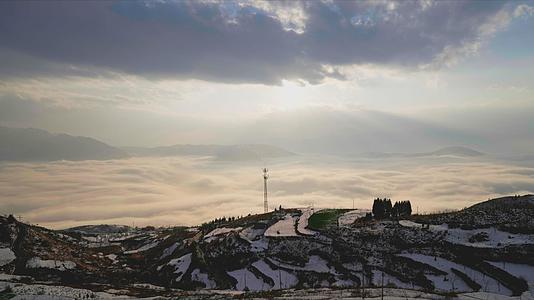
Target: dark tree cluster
217 222
382 209
402 209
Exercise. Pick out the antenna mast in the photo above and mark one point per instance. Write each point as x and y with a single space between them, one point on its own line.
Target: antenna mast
265 204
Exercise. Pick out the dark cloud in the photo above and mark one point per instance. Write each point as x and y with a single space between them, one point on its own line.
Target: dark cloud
231 41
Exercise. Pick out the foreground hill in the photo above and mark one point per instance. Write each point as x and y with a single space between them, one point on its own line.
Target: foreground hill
28 144
512 214
221 152
308 251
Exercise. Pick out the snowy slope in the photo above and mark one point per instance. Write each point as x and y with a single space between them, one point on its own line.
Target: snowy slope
36 262
248 280
314 264
303 221
6 256
350 216
283 277
197 275
143 248
219 231
495 238
284 227
519 270
170 250
50 292
181 265
389 280
488 284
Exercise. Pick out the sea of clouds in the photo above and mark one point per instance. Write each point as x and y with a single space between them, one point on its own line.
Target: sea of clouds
191 190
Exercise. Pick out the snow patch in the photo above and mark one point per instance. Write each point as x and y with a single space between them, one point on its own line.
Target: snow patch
113 258
488 284
36 262
7 277
303 222
250 233
248 280
168 251
199 276
518 270
50 292
6 256
344 283
259 245
287 279
218 231
349 217
315 264
181 265
148 286
143 248
389 280
411 224
495 237
284 227
221 230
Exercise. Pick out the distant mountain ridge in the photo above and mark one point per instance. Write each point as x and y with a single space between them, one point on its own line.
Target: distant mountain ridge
99 229
29 144
457 151
220 152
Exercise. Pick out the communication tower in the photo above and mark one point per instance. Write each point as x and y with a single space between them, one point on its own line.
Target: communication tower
265 203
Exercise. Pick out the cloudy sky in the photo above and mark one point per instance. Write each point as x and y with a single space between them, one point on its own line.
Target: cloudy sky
146 73
316 77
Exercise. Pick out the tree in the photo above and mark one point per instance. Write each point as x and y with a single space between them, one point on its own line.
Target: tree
378 209
387 208
396 208
402 209
408 208
382 209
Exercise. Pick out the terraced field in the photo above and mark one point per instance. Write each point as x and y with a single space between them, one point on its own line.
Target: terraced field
286 249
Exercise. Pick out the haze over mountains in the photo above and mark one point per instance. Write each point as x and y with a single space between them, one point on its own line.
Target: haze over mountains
457 151
21 144
221 152
331 131
28 144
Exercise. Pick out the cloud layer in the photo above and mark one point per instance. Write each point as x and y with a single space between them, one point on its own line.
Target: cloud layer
239 41
170 191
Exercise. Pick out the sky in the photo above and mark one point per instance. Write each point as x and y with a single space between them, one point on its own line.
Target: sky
168 72
331 78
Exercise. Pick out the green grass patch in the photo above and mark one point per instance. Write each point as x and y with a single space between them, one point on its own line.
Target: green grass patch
324 218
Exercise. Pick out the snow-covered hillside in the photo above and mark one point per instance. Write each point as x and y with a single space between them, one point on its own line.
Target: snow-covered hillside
284 227
347 250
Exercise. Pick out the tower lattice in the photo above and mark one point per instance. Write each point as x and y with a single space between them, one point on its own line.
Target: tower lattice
265 203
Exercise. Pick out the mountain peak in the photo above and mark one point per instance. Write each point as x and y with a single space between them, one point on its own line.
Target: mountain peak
29 144
457 151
